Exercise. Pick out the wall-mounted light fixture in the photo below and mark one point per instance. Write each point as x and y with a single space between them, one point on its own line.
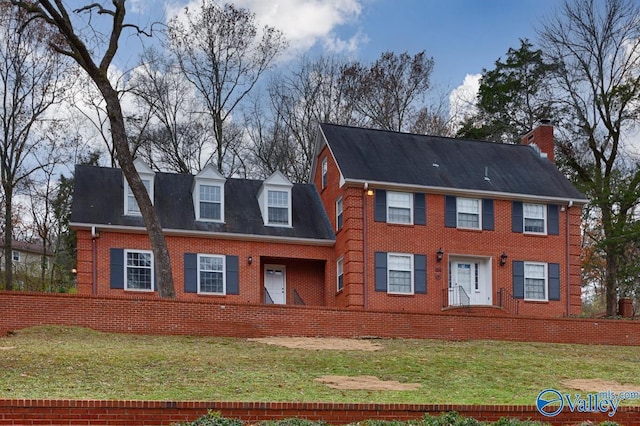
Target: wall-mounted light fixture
367 189
439 254
503 259
250 260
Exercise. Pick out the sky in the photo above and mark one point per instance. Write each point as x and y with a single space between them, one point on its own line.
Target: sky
462 36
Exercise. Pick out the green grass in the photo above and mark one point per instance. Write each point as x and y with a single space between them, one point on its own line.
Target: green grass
75 363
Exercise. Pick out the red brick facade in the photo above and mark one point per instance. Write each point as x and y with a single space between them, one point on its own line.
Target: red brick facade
361 236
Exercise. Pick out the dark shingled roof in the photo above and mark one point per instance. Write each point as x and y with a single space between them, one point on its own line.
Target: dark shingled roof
409 159
98 200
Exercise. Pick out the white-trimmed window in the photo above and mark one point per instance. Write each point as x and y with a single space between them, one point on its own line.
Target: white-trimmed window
535 218
208 195
469 213
340 273
278 207
210 202
147 176
535 281
132 208
138 271
324 173
339 214
399 207
15 255
275 200
400 273
211 270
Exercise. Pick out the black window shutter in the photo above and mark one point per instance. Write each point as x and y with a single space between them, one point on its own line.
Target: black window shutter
190 273
380 208
553 219
517 216
518 279
487 214
419 209
381 271
554 281
450 213
420 273
116 268
233 278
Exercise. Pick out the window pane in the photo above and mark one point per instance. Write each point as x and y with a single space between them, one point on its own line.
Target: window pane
211 282
533 225
468 205
398 215
534 283
132 204
210 210
277 198
534 211
278 215
139 271
210 193
466 220
400 262
399 199
399 281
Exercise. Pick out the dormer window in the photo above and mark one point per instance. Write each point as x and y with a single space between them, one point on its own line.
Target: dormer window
147 176
208 195
275 200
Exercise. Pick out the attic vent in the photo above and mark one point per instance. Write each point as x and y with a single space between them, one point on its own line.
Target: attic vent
486 174
436 165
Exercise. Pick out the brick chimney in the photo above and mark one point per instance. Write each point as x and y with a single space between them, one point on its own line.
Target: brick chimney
542 139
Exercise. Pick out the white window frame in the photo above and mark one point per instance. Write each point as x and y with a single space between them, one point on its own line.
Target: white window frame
340 273
148 177
545 269
459 210
339 213
410 270
16 255
224 273
287 206
525 217
392 204
126 267
325 170
220 187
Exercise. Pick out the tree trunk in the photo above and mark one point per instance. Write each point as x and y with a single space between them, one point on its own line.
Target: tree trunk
152 223
8 231
611 272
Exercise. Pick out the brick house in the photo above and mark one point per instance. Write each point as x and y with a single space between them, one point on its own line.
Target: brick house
389 222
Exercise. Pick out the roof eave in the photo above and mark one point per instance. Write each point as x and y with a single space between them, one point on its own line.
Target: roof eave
464 192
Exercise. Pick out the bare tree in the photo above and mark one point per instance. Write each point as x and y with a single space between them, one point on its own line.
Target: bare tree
597 45
223 54
172 127
389 93
30 83
76 45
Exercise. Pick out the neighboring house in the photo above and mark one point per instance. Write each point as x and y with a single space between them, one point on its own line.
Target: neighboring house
391 222
27 259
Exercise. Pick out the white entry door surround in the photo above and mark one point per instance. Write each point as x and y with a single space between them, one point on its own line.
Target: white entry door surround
275 284
470 281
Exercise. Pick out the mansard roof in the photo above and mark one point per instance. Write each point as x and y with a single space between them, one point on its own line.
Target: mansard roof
444 164
98 201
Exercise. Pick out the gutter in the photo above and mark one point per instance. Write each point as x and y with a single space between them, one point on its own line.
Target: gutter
208 234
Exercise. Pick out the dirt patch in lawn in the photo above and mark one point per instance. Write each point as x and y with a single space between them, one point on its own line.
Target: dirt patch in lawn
365 383
6 348
313 343
598 385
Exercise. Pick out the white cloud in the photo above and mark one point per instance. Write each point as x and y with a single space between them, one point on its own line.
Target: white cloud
462 99
304 23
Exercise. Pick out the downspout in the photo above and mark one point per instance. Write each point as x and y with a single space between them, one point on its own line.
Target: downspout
568 272
364 246
94 261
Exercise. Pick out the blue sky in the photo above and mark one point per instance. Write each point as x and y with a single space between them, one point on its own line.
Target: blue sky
463 36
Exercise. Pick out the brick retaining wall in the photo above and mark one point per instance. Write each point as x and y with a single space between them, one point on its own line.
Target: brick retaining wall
170 317
95 412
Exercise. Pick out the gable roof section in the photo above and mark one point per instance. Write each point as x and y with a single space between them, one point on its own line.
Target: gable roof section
448 164
98 201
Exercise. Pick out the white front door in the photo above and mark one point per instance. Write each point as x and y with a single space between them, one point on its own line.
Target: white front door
470 282
274 284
